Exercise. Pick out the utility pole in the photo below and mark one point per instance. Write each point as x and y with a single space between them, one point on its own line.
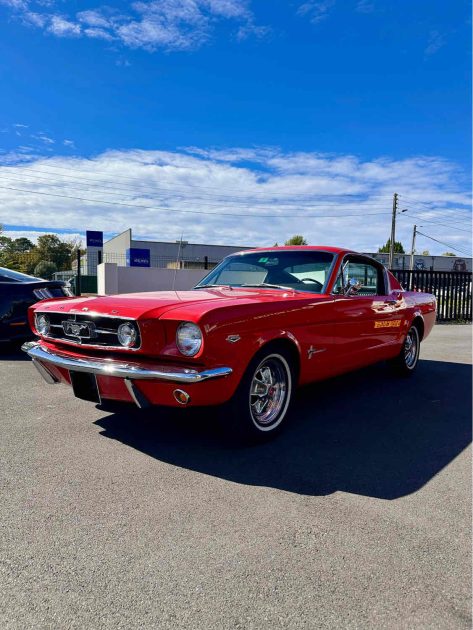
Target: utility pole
413 247
79 273
393 232
178 263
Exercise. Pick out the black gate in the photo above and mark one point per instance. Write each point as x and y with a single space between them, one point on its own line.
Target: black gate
451 288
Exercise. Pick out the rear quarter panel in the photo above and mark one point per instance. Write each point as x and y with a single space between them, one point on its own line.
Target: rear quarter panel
422 305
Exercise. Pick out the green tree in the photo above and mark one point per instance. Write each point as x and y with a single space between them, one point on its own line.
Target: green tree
5 242
45 269
22 244
426 252
50 247
297 239
19 254
398 247
448 254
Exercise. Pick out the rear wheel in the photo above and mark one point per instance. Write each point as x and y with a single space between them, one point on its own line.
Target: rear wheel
406 361
260 404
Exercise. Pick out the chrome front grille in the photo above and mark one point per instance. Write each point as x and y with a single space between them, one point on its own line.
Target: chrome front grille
87 329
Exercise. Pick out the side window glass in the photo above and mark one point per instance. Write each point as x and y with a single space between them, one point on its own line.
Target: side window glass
339 284
367 276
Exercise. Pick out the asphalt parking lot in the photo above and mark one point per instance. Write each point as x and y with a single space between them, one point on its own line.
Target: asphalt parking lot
358 516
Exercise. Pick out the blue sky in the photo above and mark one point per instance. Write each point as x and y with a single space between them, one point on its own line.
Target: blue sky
211 103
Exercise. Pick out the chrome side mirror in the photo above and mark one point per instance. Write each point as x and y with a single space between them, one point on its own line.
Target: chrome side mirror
352 287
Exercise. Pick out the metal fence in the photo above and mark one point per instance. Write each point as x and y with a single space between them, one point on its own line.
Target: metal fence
451 288
90 261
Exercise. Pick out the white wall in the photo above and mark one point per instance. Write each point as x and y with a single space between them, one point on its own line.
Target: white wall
112 279
119 243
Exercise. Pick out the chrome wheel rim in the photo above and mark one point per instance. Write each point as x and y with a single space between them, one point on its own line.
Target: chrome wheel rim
411 348
269 391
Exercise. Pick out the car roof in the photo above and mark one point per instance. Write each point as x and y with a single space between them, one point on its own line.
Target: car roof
313 248
17 276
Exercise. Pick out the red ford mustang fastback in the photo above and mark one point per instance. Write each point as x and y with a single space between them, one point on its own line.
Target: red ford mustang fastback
260 323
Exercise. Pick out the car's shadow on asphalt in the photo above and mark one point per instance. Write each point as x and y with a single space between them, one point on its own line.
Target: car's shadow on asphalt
11 351
367 433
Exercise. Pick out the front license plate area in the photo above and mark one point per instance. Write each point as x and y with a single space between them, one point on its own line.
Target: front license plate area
84 386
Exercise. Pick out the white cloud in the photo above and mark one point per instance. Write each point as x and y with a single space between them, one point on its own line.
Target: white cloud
229 8
43 138
149 24
365 6
34 19
316 10
435 42
98 33
63 28
16 4
331 199
94 19
69 143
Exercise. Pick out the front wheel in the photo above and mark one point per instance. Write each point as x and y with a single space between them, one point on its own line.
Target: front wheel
406 361
260 404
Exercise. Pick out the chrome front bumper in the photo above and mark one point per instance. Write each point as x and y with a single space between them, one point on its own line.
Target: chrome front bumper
111 367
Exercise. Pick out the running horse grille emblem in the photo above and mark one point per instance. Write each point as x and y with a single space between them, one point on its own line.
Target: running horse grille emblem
80 330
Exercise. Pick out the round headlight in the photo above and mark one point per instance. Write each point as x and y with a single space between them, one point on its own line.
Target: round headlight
127 334
189 339
42 324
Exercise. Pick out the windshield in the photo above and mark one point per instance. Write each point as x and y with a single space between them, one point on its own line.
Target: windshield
296 270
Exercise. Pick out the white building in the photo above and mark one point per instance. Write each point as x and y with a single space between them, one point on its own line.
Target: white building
165 254
428 263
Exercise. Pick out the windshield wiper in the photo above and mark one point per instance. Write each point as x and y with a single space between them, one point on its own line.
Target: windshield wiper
212 286
267 284
249 284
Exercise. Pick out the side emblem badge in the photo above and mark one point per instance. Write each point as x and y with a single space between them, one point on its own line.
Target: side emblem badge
233 338
311 351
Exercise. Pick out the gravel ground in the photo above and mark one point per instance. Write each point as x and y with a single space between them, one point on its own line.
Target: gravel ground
357 516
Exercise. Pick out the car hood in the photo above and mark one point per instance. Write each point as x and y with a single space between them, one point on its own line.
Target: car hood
158 303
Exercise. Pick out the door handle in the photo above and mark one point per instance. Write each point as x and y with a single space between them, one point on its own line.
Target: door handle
395 298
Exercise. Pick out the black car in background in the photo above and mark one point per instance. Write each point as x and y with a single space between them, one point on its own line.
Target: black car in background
19 291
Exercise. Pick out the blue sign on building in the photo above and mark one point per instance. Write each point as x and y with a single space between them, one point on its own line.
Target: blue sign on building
136 257
94 239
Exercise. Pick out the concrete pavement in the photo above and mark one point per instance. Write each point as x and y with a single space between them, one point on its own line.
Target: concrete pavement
357 516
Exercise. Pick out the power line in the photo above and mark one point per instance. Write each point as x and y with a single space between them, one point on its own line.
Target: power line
269 196
446 244
429 205
42 180
218 214
240 203
435 219
452 227
437 215
114 182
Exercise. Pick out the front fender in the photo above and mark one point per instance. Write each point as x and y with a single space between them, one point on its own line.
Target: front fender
237 350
